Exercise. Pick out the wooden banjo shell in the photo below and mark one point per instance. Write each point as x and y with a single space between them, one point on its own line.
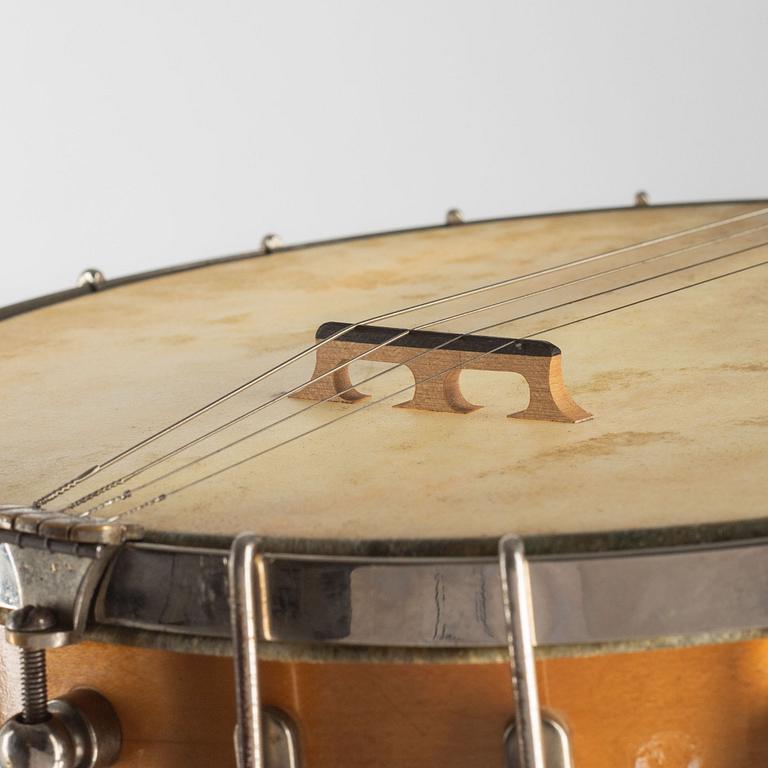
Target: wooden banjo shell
675 706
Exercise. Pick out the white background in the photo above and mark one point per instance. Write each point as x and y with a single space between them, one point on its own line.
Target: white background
138 134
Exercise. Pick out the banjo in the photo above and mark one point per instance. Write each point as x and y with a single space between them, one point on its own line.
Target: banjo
485 494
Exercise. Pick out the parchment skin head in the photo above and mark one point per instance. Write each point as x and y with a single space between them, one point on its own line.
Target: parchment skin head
677 386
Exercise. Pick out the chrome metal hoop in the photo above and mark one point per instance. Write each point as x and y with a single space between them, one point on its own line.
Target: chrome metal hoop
599 601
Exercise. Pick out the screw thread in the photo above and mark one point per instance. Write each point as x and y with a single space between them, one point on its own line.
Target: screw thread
34 687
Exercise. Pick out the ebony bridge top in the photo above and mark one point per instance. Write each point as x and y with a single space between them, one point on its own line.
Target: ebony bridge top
468 342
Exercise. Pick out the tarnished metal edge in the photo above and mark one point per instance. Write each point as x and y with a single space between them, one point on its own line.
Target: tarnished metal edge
583 604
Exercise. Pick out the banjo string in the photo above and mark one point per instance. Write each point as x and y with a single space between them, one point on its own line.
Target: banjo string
239 418
163 496
211 454
97 468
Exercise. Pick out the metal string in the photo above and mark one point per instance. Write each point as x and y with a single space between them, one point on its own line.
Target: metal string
507 343
197 440
74 482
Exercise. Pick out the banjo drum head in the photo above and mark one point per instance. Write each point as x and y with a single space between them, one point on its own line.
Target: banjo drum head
668 355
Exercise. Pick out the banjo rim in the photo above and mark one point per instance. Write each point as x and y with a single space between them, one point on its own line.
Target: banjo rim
692 542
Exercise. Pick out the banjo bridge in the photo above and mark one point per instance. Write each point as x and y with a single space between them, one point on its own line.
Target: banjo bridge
436 361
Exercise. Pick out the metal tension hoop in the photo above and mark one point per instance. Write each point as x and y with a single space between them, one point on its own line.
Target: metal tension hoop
57 563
